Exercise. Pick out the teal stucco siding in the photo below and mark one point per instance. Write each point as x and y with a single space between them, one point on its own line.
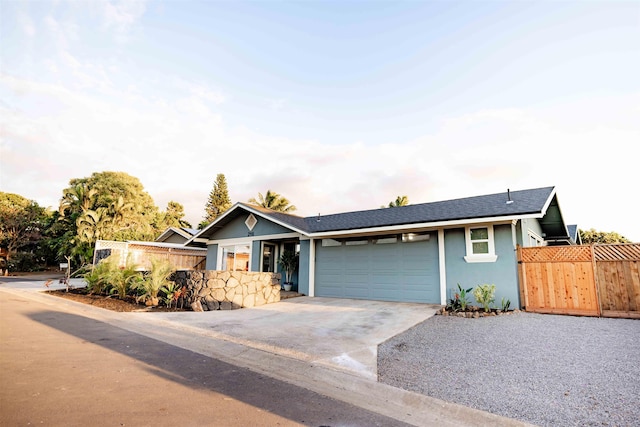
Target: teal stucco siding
236 228
529 224
502 273
255 256
212 257
303 267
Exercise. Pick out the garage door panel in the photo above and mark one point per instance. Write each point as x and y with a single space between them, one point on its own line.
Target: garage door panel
389 272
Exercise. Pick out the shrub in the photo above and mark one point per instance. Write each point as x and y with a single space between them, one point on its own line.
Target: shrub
154 281
485 295
25 262
121 279
98 274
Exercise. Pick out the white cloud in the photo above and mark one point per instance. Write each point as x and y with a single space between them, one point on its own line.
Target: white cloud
28 27
121 16
177 146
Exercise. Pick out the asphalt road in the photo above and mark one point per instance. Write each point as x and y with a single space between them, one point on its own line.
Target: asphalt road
59 368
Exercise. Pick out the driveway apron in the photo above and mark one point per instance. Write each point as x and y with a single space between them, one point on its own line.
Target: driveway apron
338 333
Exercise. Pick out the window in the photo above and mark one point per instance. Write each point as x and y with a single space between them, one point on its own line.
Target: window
415 237
331 242
236 257
356 242
251 222
385 240
535 240
480 244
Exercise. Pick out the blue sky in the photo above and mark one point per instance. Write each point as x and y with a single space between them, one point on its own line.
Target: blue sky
336 105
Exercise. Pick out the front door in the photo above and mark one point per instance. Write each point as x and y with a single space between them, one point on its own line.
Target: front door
268 258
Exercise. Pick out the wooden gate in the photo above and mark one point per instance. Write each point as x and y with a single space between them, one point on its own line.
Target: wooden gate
581 280
618 279
558 279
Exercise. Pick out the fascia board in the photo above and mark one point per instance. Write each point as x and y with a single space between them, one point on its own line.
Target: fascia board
548 202
236 240
175 230
197 238
269 218
425 225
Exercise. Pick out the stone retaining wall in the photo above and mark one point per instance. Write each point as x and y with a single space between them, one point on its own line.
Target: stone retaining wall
227 290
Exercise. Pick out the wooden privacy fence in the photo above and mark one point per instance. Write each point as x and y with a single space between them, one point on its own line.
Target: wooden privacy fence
181 258
597 280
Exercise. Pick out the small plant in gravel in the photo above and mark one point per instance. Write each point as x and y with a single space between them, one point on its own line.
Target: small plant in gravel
462 296
485 295
454 304
505 303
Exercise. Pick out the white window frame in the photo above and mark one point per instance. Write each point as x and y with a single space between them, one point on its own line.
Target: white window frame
229 245
488 257
533 236
275 254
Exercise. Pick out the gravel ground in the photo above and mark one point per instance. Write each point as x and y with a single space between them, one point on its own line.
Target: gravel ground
542 369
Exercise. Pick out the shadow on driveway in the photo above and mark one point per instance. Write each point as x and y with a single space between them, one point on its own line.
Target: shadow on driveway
195 371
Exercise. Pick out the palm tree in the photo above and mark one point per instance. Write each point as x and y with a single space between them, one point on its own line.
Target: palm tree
399 201
274 201
78 199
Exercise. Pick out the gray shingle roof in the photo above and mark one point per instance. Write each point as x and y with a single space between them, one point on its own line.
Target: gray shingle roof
488 206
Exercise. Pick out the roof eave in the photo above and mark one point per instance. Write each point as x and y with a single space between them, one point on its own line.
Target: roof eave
272 219
424 225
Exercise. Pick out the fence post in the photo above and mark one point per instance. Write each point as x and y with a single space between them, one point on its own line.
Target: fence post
524 300
595 278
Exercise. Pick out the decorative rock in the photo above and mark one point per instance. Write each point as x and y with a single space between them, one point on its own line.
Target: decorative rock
237 300
218 294
224 290
249 301
212 304
196 306
232 282
252 287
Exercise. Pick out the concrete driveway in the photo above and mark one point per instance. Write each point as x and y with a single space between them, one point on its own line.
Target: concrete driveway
331 332
338 333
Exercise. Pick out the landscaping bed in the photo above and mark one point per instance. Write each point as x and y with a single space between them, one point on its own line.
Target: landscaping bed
109 302
475 312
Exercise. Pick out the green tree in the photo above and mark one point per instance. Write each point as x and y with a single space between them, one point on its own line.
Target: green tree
592 236
219 200
274 201
22 222
106 205
172 217
399 201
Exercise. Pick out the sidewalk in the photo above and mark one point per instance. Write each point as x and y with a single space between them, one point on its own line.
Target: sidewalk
408 407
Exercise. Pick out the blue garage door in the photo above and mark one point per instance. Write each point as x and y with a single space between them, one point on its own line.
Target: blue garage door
386 269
